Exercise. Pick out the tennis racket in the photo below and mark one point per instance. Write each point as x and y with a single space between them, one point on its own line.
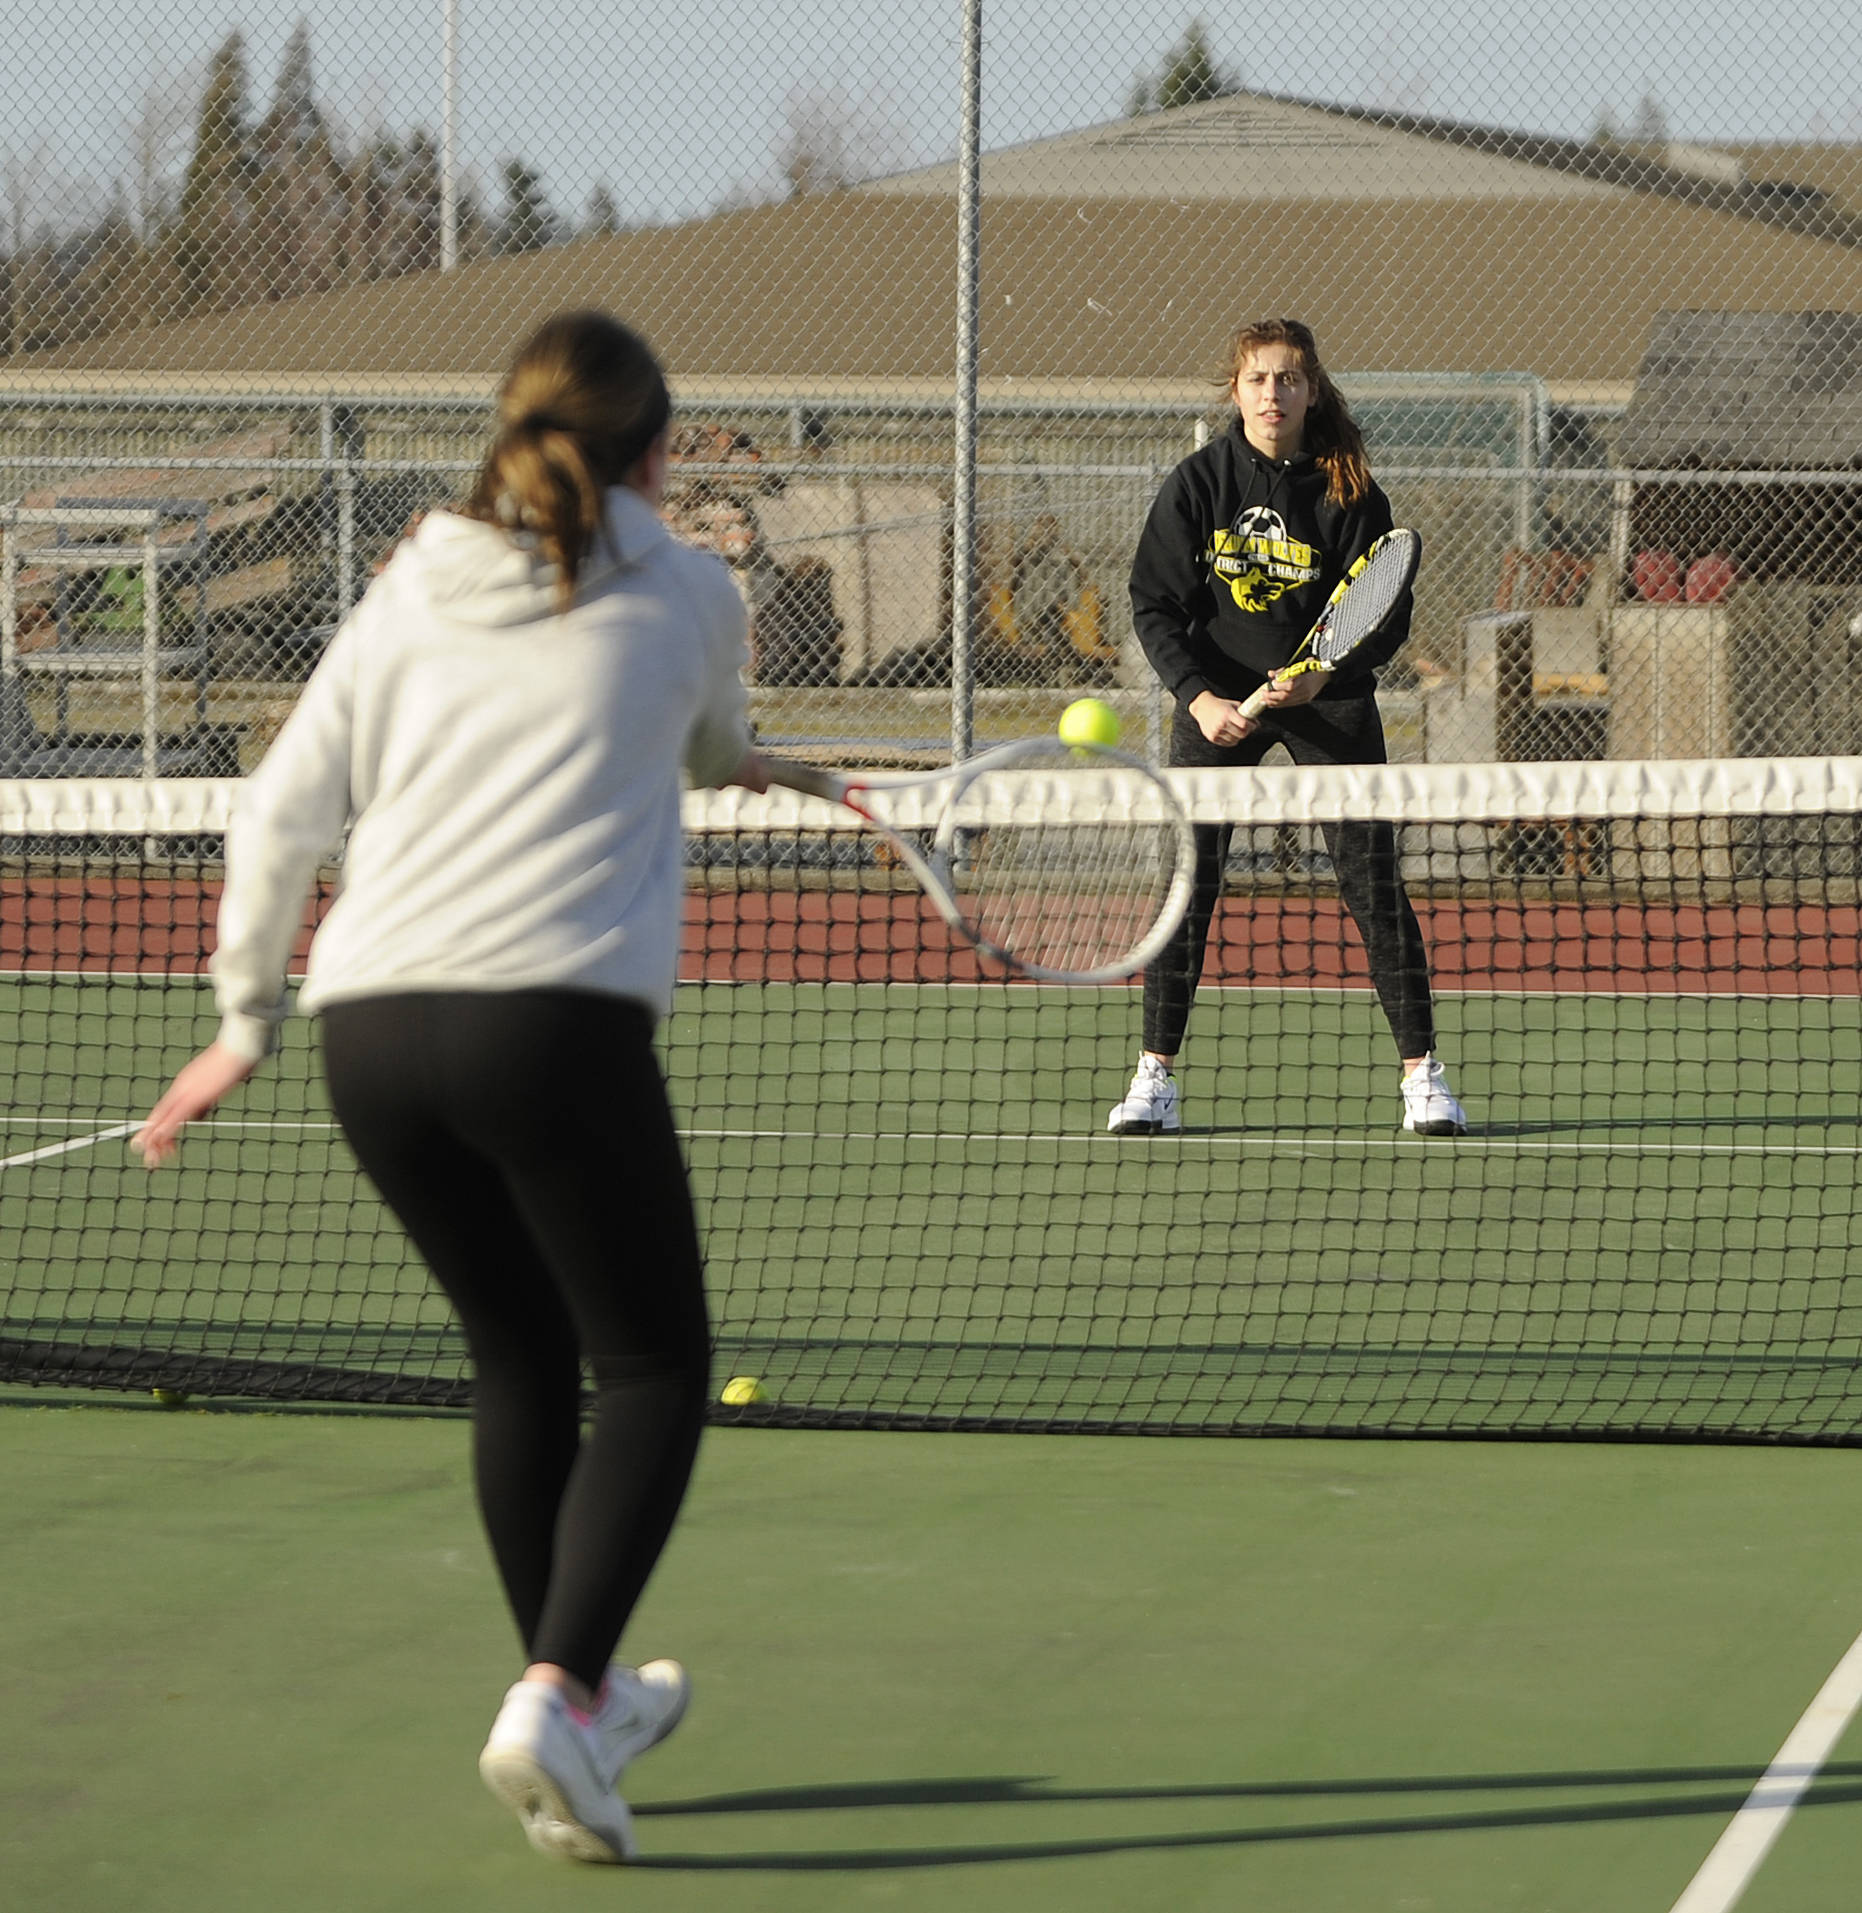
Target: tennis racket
1064 864
1356 610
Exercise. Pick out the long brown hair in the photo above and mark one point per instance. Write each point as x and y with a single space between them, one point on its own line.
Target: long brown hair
1332 434
581 404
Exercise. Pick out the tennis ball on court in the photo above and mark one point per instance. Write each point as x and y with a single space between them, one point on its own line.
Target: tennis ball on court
741 1390
1089 720
169 1397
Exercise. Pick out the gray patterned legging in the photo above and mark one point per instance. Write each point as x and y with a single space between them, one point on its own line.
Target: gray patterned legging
1327 731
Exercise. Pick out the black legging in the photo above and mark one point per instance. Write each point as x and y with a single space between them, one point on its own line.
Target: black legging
525 1142
1364 858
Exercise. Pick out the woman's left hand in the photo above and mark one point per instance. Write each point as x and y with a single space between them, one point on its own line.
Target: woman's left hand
1302 688
215 1072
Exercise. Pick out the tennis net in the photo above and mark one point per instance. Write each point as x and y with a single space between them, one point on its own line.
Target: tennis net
1649 994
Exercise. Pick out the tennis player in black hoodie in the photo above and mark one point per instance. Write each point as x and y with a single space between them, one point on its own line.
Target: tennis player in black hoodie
1244 544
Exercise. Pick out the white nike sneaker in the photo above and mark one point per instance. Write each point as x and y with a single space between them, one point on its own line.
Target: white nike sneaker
638 1707
1429 1106
1150 1107
550 1770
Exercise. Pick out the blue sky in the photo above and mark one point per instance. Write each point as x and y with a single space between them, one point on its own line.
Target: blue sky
675 118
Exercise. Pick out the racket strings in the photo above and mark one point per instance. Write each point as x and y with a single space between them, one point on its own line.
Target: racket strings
1074 895
1367 603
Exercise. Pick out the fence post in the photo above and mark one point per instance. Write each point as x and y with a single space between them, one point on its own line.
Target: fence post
963 500
345 538
347 428
151 648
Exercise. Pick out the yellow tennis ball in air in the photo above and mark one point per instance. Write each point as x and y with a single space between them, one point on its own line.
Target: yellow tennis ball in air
741 1390
1089 720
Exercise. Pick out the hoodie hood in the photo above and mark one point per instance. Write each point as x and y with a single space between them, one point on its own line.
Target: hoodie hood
1271 481
484 575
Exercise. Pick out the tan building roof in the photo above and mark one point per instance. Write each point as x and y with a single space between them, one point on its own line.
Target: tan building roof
1832 169
1251 147
1115 261
857 291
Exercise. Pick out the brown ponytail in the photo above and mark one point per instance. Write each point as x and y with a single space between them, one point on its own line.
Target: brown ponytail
1332 434
582 403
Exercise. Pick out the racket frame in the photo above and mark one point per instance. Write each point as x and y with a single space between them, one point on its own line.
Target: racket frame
1303 659
934 873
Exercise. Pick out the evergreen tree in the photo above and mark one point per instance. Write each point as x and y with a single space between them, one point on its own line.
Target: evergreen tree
1651 122
818 129
1190 74
216 198
294 121
372 238
528 221
475 233
301 198
419 204
602 215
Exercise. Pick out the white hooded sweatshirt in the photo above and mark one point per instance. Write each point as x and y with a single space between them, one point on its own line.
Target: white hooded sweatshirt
509 777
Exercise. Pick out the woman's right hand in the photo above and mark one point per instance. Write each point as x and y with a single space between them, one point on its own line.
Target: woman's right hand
1221 719
214 1073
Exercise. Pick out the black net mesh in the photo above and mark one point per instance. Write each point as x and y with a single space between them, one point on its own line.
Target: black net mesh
1649 998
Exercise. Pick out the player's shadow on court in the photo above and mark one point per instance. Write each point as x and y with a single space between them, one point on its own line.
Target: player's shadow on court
1710 1791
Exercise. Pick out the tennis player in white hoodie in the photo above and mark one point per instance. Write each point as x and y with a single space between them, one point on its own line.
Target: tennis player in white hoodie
501 727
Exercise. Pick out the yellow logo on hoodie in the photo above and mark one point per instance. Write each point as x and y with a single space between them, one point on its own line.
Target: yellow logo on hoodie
1258 562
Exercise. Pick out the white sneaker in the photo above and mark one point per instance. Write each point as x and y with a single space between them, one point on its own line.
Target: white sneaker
638 1708
549 1769
1150 1106
1429 1106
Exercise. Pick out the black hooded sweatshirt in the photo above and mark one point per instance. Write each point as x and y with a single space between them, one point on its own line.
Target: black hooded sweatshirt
1237 559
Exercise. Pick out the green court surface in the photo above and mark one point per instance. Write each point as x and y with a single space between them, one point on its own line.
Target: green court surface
250 1657
912 1209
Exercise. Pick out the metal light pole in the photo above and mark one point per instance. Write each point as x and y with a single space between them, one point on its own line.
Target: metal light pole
449 139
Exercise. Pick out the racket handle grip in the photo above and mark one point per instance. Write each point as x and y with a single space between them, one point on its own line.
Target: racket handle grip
806 778
1256 701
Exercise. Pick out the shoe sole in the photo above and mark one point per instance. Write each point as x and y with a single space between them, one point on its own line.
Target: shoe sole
549 1822
1145 1129
1436 1129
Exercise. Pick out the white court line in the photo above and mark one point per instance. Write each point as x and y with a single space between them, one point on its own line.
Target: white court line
200 1122
1727 1871
1096 1139
1294 1145
64 1148
1507 993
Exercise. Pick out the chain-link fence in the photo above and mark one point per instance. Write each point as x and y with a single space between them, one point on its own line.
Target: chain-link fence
936 344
